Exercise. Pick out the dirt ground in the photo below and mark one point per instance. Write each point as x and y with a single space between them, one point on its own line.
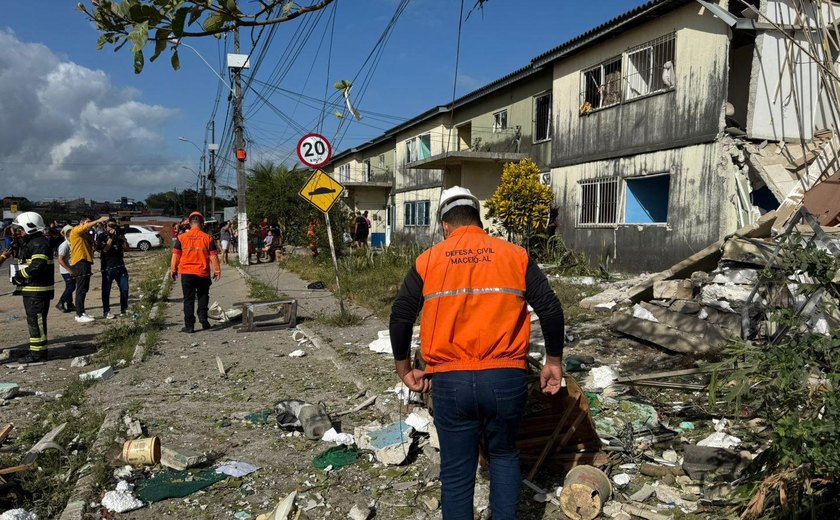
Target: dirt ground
179 396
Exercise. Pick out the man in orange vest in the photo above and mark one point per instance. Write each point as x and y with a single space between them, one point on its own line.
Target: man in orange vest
193 253
474 335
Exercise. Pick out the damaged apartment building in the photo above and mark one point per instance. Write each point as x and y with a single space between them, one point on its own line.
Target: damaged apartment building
660 131
681 121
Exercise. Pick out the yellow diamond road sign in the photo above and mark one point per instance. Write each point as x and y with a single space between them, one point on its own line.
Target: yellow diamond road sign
321 190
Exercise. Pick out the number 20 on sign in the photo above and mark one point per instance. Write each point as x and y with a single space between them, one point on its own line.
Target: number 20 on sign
314 150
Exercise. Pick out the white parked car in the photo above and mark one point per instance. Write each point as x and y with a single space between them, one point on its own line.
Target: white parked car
142 238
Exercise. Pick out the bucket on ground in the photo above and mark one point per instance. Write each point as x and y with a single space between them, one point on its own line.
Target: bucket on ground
142 452
585 491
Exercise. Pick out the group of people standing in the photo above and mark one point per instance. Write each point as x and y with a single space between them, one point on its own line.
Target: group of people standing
34 276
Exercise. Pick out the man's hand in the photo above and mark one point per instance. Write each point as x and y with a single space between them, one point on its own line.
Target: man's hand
216 276
174 275
551 377
413 378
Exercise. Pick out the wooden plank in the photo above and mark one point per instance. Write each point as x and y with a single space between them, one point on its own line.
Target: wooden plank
6 431
554 435
669 373
16 469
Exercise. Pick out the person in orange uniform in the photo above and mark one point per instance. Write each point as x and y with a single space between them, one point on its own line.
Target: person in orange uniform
474 290
193 254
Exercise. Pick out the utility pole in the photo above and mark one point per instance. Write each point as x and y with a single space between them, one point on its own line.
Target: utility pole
239 143
212 176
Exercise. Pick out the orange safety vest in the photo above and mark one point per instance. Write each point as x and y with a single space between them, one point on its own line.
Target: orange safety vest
194 254
474 311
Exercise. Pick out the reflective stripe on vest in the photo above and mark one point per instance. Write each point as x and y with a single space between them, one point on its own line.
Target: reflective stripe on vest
486 290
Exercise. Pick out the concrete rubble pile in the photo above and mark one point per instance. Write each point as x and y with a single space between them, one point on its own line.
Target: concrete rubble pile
698 305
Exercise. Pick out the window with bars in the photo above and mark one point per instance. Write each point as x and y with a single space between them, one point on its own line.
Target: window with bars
602 84
650 67
344 173
542 118
416 213
382 161
598 202
499 121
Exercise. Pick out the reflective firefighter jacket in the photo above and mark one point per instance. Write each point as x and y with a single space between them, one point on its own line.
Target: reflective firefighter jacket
36 276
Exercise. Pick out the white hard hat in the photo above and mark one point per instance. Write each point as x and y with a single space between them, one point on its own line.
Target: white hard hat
30 222
66 228
456 196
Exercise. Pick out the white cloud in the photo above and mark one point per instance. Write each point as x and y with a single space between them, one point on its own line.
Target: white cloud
67 131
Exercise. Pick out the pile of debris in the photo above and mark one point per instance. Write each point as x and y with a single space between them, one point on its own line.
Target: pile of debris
699 304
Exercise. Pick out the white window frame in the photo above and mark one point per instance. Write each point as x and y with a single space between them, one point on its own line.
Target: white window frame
344 173
500 120
366 172
602 69
549 125
382 161
601 185
417 213
666 47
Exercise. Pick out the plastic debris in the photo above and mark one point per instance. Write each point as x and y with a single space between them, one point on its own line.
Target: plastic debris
287 413
176 484
297 353
122 499
237 469
720 439
382 344
390 443
336 457
600 378
621 480
339 438
18 514
102 373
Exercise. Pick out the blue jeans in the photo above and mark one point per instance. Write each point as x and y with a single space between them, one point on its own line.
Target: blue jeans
472 407
69 287
119 275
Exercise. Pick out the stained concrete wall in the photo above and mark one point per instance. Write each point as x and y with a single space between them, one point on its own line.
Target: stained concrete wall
692 112
700 210
518 100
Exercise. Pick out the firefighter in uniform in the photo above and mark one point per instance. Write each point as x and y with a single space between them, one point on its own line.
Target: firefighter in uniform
194 252
34 280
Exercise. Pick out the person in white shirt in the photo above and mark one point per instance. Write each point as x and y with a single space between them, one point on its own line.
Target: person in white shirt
65 303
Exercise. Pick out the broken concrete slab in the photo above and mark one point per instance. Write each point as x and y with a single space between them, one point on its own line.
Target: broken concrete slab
80 361
725 297
685 306
704 260
690 324
752 251
739 276
673 289
390 444
699 461
181 460
660 334
8 390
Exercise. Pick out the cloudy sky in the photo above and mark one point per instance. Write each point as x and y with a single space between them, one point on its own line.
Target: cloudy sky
76 122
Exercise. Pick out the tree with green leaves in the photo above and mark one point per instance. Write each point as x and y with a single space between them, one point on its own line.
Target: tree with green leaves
273 193
521 204
166 22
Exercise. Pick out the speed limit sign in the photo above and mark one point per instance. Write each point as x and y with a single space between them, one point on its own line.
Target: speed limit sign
314 150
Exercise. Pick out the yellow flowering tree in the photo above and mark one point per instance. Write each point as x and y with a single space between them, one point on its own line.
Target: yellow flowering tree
521 204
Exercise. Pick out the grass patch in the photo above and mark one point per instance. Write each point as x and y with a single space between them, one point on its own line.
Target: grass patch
348 319
262 292
47 488
367 278
570 296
